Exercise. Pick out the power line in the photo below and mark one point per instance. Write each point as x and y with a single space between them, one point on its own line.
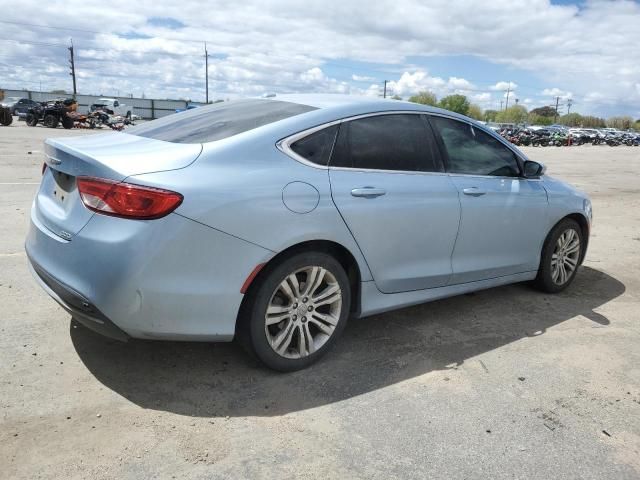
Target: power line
24 24
29 42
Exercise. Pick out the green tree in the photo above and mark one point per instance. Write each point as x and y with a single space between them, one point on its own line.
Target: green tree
425 98
593 122
490 115
514 114
475 112
544 111
571 120
455 103
622 123
534 119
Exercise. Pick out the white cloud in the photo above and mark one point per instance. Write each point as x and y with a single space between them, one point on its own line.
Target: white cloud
460 84
556 92
503 86
252 52
362 78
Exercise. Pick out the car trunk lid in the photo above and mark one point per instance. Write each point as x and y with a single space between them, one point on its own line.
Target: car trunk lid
115 156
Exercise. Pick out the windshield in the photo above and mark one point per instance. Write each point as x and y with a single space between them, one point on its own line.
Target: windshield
218 121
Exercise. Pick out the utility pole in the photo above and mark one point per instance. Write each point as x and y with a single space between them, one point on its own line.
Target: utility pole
501 102
206 73
555 118
508 91
569 103
384 93
73 68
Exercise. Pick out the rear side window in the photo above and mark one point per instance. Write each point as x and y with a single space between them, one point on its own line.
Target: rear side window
317 147
218 121
474 152
386 142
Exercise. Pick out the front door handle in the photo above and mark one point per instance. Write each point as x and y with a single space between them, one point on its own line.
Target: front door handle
368 192
473 191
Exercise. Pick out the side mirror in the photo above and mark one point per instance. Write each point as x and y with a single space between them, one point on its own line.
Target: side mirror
533 169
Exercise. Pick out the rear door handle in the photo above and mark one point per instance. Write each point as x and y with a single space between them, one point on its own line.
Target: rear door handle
368 192
473 191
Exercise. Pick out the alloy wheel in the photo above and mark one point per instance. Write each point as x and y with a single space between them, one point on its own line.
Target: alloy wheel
303 312
566 255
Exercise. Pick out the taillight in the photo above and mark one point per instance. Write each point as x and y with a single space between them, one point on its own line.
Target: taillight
126 200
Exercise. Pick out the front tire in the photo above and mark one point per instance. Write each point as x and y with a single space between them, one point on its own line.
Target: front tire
561 256
294 315
32 120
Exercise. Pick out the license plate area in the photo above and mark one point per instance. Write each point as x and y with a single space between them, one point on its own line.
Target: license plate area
63 185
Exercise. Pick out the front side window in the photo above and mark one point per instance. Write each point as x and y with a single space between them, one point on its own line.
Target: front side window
317 147
218 121
386 142
474 152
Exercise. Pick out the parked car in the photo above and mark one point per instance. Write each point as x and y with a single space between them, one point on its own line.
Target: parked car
19 105
274 220
112 106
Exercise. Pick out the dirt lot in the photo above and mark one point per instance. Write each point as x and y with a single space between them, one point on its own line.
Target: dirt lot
506 383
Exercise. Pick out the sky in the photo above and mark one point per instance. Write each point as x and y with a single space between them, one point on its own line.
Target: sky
530 52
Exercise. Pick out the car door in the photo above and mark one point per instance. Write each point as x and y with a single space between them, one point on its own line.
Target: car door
504 215
388 183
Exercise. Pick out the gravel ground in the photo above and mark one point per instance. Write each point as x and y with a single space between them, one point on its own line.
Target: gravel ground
505 383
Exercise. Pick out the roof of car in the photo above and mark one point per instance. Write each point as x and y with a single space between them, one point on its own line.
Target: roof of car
337 101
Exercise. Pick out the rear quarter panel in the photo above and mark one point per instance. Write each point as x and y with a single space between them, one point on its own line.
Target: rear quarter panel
236 186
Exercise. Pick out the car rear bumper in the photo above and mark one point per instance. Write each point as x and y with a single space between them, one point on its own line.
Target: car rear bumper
170 278
76 305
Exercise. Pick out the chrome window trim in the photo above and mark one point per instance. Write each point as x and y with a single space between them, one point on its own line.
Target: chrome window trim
520 177
376 170
284 145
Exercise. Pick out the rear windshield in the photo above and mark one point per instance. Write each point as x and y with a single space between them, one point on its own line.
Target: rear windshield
218 121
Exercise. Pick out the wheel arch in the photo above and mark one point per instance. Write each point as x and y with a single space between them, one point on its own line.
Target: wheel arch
336 250
584 227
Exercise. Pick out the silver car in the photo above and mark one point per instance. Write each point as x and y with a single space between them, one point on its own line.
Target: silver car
275 220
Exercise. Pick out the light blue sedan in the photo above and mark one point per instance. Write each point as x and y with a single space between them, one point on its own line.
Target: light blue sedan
275 220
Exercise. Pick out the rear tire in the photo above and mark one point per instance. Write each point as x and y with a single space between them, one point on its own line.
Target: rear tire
296 311
6 118
50 121
67 122
561 257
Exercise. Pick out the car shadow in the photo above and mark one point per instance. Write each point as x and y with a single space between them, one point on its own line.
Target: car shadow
200 379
